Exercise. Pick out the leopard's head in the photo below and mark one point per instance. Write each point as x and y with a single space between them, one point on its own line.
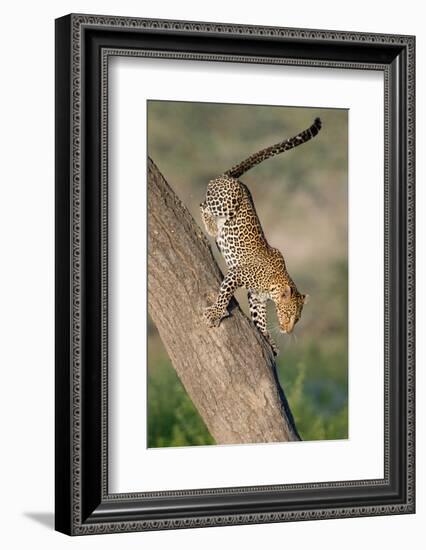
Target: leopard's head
289 304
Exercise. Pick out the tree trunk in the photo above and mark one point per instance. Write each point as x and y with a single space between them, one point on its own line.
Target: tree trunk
228 372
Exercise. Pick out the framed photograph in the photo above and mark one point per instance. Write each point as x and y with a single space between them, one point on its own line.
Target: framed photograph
234 274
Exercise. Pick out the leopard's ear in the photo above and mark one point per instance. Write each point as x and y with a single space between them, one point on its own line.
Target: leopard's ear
287 293
306 298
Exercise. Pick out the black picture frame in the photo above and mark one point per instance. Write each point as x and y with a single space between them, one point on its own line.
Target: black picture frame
83 504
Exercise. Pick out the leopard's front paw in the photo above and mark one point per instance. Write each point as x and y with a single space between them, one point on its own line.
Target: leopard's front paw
212 315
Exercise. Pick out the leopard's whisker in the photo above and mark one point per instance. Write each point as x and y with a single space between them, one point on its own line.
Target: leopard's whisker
275 330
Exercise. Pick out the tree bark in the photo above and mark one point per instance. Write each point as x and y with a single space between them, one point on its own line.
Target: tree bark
229 372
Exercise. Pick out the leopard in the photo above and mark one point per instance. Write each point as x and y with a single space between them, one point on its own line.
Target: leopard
229 216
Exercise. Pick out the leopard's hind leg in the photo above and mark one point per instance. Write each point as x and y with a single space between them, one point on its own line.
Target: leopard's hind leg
223 197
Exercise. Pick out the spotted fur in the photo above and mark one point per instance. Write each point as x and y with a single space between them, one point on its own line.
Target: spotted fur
229 216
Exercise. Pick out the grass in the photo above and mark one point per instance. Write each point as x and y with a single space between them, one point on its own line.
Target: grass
173 420
314 380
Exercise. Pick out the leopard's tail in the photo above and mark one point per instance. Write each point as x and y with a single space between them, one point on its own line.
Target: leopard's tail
239 169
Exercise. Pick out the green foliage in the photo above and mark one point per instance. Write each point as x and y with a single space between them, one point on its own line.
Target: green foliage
317 397
313 369
314 379
173 420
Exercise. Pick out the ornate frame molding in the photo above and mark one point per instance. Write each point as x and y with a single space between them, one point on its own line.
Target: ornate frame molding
74 504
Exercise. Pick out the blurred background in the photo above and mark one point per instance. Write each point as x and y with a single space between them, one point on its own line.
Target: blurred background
301 200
